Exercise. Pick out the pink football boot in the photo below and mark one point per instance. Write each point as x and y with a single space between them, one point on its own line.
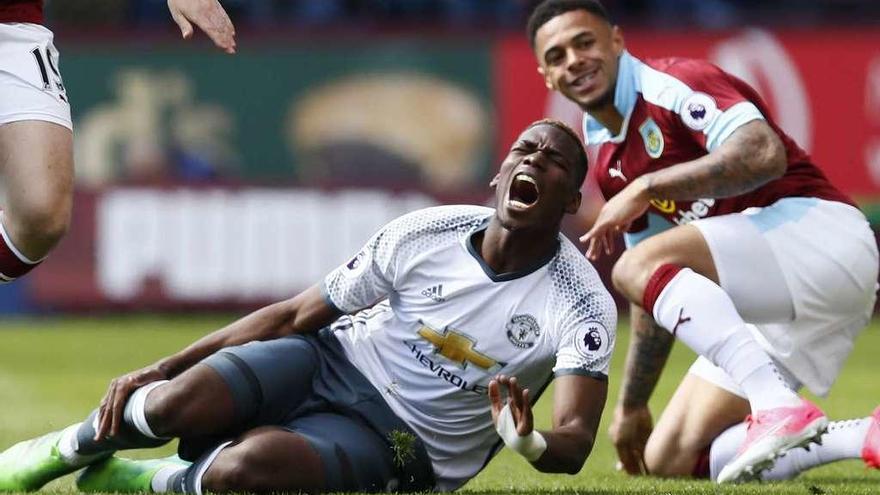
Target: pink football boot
771 433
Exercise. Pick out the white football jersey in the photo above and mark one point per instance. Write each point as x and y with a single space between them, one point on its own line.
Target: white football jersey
447 324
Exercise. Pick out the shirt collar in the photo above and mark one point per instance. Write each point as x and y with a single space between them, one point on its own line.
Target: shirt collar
626 92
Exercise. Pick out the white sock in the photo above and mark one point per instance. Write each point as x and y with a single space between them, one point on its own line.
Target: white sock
160 482
134 408
702 316
843 440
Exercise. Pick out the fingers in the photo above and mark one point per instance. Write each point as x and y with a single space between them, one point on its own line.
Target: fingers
107 414
104 414
600 239
609 241
596 247
495 398
590 233
629 458
186 29
209 16
214 21
514 397
117 406
525 426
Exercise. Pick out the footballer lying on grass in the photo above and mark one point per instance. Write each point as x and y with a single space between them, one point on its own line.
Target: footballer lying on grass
390 374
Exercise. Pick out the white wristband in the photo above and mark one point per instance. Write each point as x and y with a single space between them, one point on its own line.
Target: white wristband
530 446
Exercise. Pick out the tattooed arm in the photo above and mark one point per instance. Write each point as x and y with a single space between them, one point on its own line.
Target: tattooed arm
631 426
752 156
649 347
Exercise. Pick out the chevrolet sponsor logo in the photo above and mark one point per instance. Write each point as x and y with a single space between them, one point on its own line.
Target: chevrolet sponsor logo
459 349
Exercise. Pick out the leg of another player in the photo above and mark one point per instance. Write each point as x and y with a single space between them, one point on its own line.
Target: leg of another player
848 439
673 276
36 177
698 412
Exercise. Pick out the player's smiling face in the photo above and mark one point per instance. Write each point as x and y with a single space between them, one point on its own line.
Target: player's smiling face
539 179
578 56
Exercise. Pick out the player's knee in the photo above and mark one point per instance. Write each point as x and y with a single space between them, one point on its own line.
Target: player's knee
632 271
663 460
658 450
626 272
227 474
672 454
241 468
41 223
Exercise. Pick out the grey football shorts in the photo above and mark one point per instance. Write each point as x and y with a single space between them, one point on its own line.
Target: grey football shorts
306 384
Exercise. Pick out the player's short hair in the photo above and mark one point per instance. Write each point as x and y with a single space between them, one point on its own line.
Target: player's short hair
581 159
548 9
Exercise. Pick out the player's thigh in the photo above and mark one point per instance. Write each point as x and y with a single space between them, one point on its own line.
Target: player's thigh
255 383
36 151
683 245
748 268
698 412
36 171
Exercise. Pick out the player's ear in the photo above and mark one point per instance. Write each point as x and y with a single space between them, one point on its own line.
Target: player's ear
573 204
495 180
547 81
617 40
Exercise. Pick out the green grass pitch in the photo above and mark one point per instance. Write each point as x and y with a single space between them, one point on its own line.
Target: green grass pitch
53 372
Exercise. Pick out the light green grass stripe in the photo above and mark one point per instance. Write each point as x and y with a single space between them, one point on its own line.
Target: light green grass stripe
53 371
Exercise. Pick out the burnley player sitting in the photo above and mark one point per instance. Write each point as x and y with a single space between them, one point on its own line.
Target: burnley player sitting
390 374
738 245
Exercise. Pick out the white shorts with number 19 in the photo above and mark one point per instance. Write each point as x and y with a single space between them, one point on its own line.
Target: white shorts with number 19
30 81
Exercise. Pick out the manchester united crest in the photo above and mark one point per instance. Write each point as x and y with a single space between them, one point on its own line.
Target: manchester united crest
523 331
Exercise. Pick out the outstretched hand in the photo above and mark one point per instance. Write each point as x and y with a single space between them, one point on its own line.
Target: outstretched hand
615 218
209 16
517 400
112 408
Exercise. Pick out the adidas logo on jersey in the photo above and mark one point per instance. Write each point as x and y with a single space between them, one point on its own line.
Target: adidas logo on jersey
434 293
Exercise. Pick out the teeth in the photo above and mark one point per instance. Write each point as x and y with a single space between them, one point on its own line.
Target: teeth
516 203
526 178
584 78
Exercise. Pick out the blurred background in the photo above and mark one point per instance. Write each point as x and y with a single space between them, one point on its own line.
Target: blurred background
215 182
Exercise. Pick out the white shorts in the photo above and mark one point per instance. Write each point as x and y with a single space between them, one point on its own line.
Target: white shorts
816 261
30 81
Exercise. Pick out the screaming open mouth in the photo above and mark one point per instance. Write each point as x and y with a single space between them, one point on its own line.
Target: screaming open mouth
523 191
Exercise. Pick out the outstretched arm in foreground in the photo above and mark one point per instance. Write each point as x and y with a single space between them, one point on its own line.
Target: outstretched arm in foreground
649 349
307 312
577 408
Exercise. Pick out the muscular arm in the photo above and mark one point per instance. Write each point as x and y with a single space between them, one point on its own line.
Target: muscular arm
649 348
752 156
307 312
577 408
